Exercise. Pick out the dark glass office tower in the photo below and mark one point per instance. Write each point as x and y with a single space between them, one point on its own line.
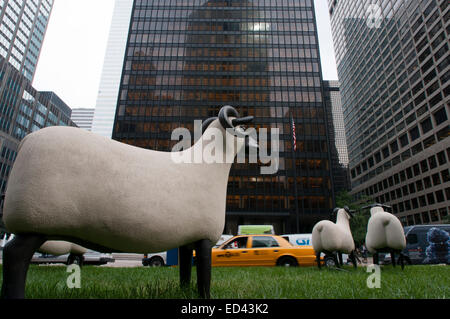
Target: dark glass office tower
186 59
394 65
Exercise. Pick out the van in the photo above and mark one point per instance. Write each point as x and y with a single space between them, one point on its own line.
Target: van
299 239
427 244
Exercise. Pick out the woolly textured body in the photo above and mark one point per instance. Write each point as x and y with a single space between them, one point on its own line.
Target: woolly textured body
384 231
68 183
331 237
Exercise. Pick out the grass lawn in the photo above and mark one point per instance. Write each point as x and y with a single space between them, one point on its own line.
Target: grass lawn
240 283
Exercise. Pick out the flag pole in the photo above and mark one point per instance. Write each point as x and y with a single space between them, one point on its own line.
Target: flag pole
294 157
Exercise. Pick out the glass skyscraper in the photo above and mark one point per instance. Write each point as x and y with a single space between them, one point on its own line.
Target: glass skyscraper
185 59
393 63
22 28
22 108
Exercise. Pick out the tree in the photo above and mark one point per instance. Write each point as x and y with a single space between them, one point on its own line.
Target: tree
358 223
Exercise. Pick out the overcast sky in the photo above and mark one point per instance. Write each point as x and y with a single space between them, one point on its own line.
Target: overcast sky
72 55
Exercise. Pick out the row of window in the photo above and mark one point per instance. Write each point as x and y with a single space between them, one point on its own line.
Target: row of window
224 3
432 216
404 140
417 170
277 203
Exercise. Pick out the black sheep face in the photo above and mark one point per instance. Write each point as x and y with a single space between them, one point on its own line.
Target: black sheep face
439 246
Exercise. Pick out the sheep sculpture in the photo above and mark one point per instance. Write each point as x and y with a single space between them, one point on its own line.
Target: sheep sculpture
72 185
334 238
385 234
58 248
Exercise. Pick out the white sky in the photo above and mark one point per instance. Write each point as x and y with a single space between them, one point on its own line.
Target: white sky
72 55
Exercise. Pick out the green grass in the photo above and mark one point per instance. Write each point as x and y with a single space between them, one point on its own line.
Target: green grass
241 283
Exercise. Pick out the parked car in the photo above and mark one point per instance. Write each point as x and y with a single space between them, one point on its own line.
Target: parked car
160 259
262 250
306 240
89 258
155 260
222 239
425 244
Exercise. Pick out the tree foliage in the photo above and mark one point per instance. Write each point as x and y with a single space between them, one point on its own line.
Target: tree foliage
358 223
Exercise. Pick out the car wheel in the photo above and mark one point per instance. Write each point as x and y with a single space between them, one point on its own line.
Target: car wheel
287 262
156 262
75 259
329 262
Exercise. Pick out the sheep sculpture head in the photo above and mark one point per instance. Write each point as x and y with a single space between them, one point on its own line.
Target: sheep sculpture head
232 124
72 185
345 212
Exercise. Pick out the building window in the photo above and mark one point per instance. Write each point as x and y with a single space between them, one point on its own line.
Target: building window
394 147
440 196
414 133
436 179
427 182
441 158
430 198
440 116
445 176
432 162
422 201
404 140
425 217
419 185
426 125
434 215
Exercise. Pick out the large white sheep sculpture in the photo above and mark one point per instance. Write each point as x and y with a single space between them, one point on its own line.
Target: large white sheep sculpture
333 239
73 185
384 234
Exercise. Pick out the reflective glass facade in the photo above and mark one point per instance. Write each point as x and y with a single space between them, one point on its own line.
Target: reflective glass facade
22 28
23 110
186 59
393 63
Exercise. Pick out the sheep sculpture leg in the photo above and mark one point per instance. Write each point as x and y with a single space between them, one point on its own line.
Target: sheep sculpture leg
353 259
203 256
185 261
340 259
203 253
393 258
318 260
17 256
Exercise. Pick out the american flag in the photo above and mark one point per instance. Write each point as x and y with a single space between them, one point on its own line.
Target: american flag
294 134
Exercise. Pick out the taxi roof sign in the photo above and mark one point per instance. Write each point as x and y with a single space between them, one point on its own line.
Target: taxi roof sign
256 230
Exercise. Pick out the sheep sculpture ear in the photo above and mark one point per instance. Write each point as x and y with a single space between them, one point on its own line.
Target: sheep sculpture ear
334 213
207 123
349 212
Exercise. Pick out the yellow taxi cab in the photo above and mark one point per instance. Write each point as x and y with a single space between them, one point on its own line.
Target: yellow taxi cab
262 250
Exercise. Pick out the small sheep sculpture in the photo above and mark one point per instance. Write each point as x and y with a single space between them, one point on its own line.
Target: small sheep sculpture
334 238
384 234
58 248
72 185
